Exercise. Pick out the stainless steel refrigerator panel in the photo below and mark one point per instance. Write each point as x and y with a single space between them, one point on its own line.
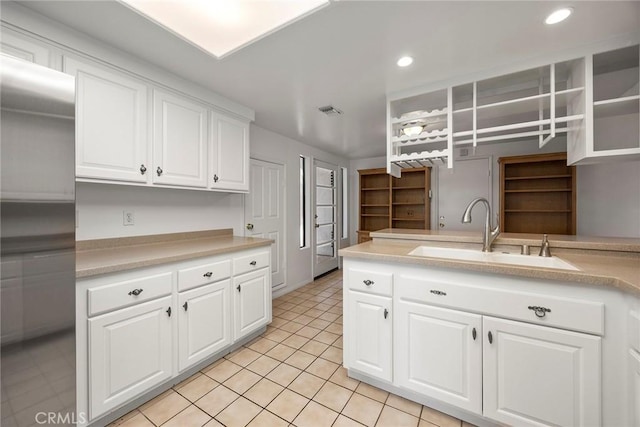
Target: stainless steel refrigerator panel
37 246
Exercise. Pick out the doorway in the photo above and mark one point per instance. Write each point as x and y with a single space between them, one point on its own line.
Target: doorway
325 254
265 213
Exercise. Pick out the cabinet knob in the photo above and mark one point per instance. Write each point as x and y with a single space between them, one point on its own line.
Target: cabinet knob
473 333
249 226
490 336
185 305
253 263
368 282
386 313
143 169
539 311
159 171
208 274
238 288
215 178
169 311
136 292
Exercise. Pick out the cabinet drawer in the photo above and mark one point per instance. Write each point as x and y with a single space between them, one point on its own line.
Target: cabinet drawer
543 309
251 262
122 294
206 273
634 330
374 282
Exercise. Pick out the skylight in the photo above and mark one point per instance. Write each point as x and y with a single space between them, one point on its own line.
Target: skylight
221 27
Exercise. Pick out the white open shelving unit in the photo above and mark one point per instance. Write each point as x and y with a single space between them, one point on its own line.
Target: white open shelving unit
584 99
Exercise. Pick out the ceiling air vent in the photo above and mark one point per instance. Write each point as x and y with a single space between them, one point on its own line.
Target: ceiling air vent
330 110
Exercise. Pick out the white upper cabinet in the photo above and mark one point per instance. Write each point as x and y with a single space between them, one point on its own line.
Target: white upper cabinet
229 158
613 126
179 140
23 47
111 125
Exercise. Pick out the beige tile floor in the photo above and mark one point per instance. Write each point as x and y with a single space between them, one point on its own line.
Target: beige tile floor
290 375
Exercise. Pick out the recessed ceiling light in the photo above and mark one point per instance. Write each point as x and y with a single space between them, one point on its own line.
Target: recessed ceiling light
558 16
405 61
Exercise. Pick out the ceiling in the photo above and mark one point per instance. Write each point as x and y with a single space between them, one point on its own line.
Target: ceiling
345 55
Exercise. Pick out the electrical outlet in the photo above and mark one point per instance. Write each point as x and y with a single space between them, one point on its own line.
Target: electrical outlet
128 218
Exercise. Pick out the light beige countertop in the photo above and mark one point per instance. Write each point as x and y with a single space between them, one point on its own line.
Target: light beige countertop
94 257
555 240
618 269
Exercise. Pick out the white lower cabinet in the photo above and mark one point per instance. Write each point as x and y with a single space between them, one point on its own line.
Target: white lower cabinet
136 330
634 358
251 304
449 341
203 323
439 353
369 345
535 375
130 351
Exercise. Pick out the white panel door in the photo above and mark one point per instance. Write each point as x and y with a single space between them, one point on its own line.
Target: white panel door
111 123
179 141
251 302
457 187
130 351
229 159
369 347
536 375
204 322
264 212
438 353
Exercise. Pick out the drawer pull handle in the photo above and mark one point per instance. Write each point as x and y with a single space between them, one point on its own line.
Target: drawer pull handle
253 263
539 311
185 305
437 292
208 274
239 288
143 169
490 335
386 313
473 333
169 311
159 171
368 282
136 292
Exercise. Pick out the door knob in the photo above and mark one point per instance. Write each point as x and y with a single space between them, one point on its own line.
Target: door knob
317 225
249 226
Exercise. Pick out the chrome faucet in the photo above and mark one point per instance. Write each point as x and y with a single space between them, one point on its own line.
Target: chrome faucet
545 251
488 235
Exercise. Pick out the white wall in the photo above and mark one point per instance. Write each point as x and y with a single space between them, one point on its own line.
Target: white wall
156 210
609 199
608 194
273 147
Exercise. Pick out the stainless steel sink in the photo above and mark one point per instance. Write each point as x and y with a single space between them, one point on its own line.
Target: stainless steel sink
492 257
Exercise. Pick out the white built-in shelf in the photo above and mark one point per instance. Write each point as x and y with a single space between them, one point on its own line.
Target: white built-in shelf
617 106
424 137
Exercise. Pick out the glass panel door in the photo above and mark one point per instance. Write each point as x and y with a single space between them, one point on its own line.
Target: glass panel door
325 218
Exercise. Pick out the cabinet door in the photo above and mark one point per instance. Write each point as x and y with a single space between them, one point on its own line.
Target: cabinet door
634 358
229 157
203 323
369 347
438 353
179 141
130 351
111 123
536 375
251 302
20 46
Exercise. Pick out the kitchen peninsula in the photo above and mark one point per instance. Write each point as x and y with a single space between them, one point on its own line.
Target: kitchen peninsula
498 342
